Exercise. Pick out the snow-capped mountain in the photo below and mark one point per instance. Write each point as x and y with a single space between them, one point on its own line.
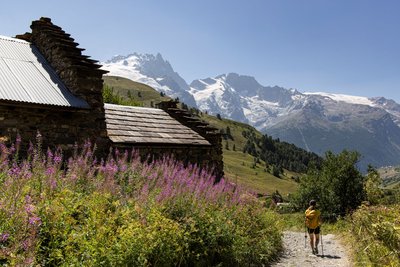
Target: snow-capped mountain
243 99
153 71
314 121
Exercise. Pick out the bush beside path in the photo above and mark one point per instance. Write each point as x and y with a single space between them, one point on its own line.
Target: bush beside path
297 254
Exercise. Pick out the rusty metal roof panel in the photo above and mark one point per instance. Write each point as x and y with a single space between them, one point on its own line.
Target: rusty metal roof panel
25 76
127 124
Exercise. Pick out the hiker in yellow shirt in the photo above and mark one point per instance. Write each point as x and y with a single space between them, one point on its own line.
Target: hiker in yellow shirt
313 222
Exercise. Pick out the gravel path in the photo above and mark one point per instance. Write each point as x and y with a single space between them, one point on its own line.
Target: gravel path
296 254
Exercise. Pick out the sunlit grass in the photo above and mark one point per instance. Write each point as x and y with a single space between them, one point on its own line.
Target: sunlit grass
138 91
238 168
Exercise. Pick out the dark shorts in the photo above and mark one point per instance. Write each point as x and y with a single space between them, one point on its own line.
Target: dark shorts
314 231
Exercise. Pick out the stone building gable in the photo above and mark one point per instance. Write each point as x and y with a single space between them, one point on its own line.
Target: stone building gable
81 75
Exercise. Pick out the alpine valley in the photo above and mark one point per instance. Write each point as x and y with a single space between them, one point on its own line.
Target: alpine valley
316 122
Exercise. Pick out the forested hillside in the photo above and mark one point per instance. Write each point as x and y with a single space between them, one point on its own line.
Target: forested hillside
280 154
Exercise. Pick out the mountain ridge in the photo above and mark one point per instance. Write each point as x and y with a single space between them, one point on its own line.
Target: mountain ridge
316 122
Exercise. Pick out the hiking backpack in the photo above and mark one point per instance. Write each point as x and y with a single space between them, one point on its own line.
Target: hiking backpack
312 218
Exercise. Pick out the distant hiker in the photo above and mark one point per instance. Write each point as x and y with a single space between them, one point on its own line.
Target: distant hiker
313 222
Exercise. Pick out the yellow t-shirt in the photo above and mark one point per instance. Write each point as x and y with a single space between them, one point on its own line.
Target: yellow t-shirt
312 218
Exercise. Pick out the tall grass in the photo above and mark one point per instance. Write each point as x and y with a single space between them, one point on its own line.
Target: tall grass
376 230
124 211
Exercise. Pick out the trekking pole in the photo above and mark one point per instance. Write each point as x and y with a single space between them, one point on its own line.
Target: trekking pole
322 244
305 235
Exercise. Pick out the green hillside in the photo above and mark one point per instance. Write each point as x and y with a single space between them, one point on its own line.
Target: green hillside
129 89
390 176
243 168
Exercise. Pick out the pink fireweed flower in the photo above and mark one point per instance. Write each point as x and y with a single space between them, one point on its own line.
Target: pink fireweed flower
29 208
18 139
35 220
87 144
4 237
30 148
89 154
50 171
15 170
111 168
123 167
26 244
80 162
27 175
28 199
73 177
57 159
152 176
49 155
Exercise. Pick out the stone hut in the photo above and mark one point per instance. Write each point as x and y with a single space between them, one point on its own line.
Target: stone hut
47 85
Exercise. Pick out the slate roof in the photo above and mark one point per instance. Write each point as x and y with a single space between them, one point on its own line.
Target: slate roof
126 124
25 76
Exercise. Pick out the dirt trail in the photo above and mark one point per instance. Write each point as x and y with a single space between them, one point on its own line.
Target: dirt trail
296 254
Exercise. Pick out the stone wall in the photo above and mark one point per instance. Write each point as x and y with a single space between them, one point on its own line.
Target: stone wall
199 155
58 127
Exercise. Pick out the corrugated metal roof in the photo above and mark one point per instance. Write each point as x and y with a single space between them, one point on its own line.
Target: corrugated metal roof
25 76
127 124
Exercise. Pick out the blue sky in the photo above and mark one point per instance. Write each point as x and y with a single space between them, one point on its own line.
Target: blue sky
338 46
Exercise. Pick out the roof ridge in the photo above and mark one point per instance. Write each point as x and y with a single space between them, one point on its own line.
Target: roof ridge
12 39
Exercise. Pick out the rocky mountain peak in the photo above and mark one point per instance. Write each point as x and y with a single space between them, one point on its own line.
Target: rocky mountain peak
152 70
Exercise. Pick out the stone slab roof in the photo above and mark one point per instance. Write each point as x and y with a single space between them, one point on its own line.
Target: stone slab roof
25 76
126 124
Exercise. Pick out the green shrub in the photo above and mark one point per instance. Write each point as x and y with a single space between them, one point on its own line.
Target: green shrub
338 187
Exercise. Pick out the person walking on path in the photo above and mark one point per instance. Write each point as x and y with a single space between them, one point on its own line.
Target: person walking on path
313 223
